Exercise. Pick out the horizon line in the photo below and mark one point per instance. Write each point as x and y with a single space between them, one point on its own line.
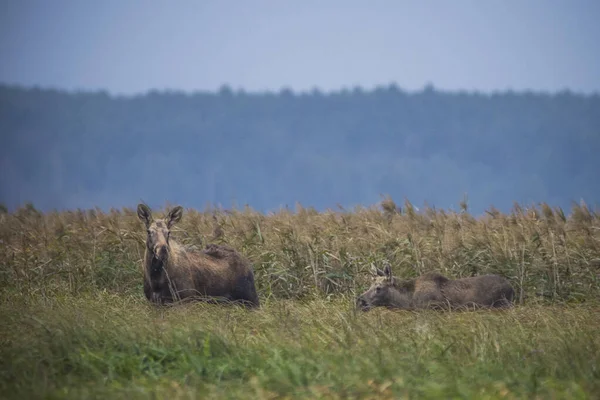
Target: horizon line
285 89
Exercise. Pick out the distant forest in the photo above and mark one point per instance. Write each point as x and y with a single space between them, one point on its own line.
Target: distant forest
63 150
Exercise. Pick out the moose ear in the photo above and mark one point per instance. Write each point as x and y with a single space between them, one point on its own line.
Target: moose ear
376 271
174 216
388 273
144 214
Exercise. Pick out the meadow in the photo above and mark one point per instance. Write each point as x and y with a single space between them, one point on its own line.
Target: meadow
75 323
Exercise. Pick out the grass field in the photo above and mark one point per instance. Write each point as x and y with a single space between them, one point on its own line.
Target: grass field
76 325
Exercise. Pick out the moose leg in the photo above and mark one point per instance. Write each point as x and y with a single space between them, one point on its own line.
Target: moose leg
148 292
156 297
502 303
245 291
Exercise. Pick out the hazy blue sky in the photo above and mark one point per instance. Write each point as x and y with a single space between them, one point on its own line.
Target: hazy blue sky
133 46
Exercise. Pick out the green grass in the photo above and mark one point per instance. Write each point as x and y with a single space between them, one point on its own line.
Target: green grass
102 345
74 322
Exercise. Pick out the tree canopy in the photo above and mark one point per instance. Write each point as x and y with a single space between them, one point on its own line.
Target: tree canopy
85 149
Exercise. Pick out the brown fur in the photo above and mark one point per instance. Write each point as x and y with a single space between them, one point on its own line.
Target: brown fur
433 290
173 273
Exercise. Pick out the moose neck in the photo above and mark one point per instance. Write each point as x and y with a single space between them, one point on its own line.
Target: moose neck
400 299
155 265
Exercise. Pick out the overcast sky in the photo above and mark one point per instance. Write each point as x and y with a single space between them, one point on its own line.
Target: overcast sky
127 46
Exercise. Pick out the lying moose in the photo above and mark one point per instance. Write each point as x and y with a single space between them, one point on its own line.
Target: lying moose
173 273
433 290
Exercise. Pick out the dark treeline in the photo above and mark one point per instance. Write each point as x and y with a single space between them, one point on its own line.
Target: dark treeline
267 150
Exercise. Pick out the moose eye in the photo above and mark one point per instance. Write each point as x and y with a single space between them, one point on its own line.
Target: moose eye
378 289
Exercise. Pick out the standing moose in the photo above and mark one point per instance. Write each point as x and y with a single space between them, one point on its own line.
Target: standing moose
173 273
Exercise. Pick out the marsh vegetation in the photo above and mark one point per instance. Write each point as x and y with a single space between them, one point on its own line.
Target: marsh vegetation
76 323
